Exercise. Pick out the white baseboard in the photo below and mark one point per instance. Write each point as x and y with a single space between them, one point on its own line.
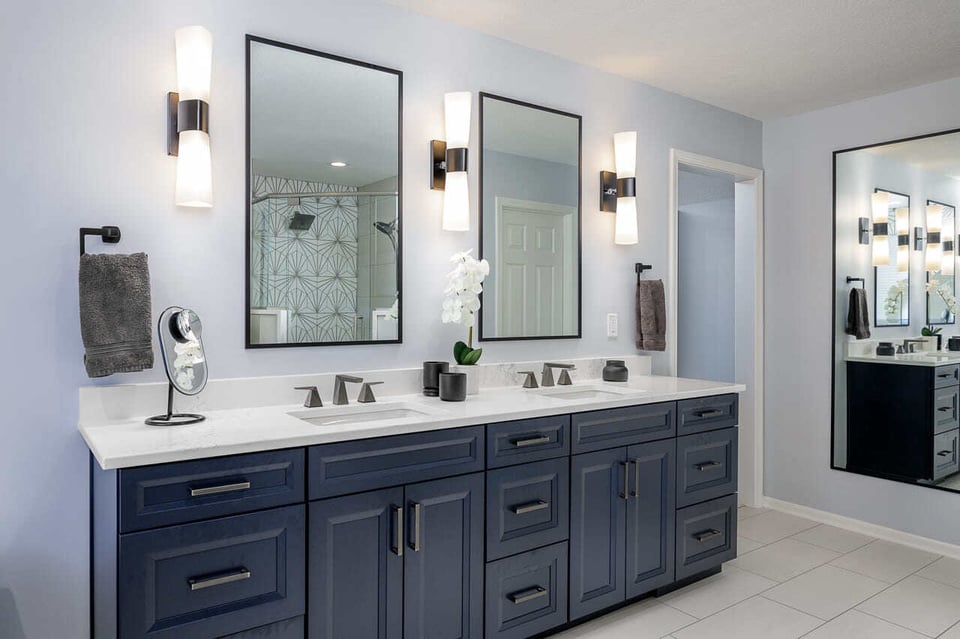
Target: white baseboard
865 528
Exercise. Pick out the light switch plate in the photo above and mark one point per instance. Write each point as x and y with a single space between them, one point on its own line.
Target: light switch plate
613 324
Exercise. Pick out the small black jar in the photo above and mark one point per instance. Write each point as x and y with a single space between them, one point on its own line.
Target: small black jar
615 371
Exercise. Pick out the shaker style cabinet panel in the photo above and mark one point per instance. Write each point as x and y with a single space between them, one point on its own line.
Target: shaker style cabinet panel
706 466
651 512
287 629
601 429
527 593
356 566
707 413
528 440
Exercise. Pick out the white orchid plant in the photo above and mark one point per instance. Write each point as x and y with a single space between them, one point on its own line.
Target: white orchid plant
892 304
462 301
945 291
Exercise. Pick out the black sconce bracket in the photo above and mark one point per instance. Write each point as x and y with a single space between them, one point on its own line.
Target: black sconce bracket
186 115
612 187
443 161
864 227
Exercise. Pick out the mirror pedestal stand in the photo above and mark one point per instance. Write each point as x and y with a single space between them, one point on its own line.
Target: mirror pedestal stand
171 418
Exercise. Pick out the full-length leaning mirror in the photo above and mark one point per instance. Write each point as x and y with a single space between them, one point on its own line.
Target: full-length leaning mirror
529 220
896 375
323 198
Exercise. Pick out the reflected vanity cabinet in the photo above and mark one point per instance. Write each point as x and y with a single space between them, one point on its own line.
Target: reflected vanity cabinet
503 531
903 420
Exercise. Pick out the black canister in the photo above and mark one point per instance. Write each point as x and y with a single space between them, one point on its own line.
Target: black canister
886 348
431 377
953 344
453 387
615 371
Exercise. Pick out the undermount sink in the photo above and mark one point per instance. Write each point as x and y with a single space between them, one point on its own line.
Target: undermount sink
586 392
357 414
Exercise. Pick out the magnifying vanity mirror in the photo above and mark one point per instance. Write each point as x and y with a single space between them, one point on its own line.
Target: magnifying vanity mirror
324 198
896 376
529 220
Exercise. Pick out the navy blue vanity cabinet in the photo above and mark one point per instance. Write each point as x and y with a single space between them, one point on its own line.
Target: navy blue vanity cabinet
527 593
651 513
597 430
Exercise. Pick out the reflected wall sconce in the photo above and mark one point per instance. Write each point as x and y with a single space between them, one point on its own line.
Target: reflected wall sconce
934 254
948 260
449 162
880 202
903 239
918 238
188 118
618 191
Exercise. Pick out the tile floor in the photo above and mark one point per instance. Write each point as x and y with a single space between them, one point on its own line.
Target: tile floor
797 578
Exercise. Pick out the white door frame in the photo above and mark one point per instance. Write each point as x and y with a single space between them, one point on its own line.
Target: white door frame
742 174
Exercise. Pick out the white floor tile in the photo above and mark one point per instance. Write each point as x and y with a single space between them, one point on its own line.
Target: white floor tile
755 618
826 592
784 559
917 603
745 512
772 525
648 619
745 545
833 538
858 625
943 570
885 561
953 633
715 593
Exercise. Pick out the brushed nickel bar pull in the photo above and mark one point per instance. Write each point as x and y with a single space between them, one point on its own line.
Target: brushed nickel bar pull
707 465
626 480
398 549
216 490
945 409
529 507
531 441
523 596
706 535
415 543
714 412
636 479
945 453
218 580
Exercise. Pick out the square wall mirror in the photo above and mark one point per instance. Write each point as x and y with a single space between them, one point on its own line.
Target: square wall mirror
530 194
323 198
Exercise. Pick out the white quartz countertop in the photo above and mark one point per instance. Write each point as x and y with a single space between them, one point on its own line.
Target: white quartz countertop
926 358
127 443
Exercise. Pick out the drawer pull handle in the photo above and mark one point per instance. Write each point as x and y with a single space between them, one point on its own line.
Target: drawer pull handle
218 580
626 480
523 596
945 453
945 409
531 441
706 535
398 548
636 479
415 542
945 375
216 490
530 507
713 412
707 465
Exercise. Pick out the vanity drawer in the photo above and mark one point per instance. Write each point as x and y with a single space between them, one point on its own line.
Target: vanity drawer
602 429
527 440
706 535
945 409
286 629
213 578
527 506
367 464
945 459
706 466
707 413
527 594
154 496
946 376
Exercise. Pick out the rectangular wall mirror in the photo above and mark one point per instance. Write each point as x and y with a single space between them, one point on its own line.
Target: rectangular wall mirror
323 198
896 383
529 220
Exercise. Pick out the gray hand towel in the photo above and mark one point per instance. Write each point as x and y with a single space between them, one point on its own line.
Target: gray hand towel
115 313
651 316
858 317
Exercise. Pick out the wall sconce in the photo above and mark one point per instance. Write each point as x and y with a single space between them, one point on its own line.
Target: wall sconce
449 162
188 118
918 238
880 202
903 239
618 191
934 254
948 260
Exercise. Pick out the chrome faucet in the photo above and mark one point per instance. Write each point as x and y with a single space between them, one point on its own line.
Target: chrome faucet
313 397
547 374
340 389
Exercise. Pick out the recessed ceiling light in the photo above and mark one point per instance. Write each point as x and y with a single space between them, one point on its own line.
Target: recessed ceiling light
339 164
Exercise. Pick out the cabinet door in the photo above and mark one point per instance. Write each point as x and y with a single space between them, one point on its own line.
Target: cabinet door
598 506
356 573
651 516
443 560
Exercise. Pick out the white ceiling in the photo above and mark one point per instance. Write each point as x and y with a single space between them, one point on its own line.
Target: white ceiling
761 58
938 154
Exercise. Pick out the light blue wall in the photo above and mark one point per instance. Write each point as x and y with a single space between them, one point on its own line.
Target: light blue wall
83 105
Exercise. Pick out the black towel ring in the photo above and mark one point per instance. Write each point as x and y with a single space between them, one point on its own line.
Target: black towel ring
640 267
109 234
851 280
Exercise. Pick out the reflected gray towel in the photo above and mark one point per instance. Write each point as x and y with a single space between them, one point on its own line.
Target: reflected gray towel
115 313
651 316
858 317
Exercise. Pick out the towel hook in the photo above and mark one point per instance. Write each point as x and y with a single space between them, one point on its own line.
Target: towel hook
640 267
109 234
851 280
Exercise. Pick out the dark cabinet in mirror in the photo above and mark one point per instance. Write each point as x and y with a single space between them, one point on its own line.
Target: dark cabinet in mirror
323 198
529 220
896 381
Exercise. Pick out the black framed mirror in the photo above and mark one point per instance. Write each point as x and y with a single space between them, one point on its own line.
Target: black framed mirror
530 220
324 198
941 285
891 281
